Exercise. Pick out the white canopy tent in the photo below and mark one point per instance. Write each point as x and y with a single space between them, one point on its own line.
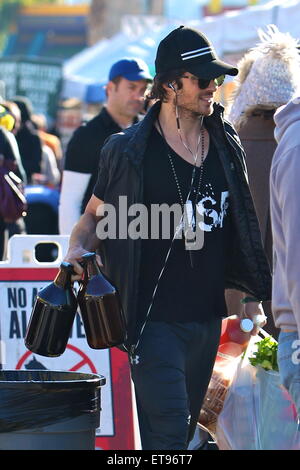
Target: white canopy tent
236 31
231 33
88 71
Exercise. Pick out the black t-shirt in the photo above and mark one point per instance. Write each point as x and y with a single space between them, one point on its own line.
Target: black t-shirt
185 293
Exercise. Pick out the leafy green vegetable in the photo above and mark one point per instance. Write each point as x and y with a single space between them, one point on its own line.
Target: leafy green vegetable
266 354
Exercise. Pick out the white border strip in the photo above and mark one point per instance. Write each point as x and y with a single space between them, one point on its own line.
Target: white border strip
196 50
196 55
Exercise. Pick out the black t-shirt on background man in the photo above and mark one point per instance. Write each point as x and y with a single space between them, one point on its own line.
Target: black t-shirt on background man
185 293
84 148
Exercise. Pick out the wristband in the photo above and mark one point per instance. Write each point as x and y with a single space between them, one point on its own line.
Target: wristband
246 300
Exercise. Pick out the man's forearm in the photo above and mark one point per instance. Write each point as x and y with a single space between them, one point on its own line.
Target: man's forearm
84 233
83 239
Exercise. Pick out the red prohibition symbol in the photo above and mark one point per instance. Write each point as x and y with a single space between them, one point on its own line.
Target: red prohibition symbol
85 360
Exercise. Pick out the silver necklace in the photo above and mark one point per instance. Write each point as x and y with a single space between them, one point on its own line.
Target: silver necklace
195 157
193 173
200 137
189 234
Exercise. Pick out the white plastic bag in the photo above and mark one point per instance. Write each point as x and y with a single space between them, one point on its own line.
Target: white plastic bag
258 413
222 376
234 342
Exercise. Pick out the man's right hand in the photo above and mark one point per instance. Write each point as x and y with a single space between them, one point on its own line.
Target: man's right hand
74 256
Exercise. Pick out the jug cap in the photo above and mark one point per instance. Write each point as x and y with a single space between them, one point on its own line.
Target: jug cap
67 266
89 255
246 325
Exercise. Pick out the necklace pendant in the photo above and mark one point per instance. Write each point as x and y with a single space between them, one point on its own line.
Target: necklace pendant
190 245
193 234
189 242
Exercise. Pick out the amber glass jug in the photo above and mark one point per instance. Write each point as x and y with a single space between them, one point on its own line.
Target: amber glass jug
52 315
100 307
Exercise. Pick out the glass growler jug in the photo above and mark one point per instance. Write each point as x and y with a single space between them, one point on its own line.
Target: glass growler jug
100 307
52 315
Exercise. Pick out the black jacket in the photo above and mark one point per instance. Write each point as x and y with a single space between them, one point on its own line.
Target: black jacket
6 149
121 173
30 147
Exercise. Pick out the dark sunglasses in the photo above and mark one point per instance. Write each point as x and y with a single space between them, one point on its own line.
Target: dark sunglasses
204 83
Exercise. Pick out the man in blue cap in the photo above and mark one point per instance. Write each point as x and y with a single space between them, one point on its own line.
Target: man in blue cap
128 81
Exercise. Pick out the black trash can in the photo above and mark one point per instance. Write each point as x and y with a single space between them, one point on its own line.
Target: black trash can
49 410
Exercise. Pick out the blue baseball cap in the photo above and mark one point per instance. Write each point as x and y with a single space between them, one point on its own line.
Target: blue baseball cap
131 69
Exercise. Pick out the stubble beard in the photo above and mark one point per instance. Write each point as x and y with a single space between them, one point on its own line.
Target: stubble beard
189 111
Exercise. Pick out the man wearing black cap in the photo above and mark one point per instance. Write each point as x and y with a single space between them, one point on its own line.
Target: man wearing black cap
183 154
128 80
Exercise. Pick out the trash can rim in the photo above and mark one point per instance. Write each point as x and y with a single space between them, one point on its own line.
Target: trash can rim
90 377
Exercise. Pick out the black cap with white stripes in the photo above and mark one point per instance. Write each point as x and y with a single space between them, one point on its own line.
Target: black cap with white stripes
188 49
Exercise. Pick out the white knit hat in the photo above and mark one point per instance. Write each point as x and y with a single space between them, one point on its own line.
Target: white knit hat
269 75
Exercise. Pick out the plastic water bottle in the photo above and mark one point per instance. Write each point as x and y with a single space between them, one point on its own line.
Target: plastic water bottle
237 330
235 336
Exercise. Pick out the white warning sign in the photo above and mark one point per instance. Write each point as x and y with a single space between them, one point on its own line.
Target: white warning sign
16 302
21 277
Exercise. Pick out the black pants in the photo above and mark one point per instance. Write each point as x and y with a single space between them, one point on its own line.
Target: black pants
171 372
